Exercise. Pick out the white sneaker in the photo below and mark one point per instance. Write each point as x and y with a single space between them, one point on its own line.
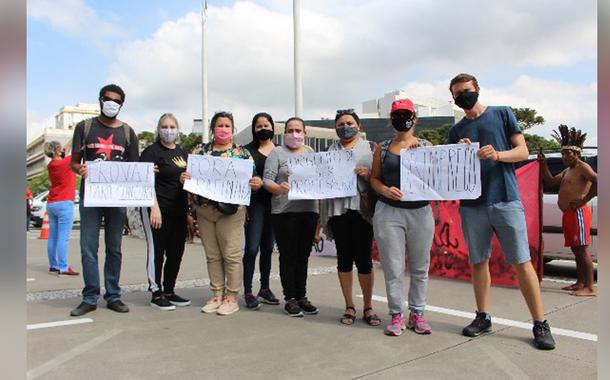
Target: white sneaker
212 305
228 307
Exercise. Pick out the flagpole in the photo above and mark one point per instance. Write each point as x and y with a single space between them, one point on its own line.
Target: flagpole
204 72
298 84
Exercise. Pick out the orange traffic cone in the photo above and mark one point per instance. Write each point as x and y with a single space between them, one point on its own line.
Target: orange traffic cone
44 230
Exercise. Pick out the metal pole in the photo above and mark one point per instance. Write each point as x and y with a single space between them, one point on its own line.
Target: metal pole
298 84
204 72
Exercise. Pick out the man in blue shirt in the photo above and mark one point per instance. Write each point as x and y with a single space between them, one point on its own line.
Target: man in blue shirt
499 207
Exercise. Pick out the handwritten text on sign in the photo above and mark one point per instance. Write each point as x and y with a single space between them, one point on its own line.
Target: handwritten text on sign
444 172
322 175
119 184
220 179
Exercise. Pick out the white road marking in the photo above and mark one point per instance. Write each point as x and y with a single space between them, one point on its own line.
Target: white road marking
30 279
71 354
501 321
68 322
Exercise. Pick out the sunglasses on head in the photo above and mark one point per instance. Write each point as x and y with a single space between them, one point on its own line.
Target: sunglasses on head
107 99
348 111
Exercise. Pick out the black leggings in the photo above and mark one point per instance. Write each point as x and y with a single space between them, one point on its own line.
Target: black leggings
294 232
353 238
168 246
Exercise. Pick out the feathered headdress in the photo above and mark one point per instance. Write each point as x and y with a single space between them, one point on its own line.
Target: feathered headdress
569 138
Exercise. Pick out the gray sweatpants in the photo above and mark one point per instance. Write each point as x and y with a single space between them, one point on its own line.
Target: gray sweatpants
396 228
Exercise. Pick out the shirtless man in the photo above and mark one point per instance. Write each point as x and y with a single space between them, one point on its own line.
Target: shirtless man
577 186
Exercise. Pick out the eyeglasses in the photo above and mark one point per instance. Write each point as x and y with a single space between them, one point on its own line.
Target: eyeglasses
107 99
348 111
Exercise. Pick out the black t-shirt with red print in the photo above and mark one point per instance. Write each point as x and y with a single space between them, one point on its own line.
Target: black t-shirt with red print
105 143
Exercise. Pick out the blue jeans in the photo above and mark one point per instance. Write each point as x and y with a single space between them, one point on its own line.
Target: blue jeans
61 217
259 234
90 222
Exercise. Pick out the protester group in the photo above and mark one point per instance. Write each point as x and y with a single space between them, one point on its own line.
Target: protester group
234 235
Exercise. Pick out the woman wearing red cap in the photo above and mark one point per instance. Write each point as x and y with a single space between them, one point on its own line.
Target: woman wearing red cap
398 224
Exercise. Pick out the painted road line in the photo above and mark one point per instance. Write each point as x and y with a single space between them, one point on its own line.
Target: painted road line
69 355
500 321
68 322
30 279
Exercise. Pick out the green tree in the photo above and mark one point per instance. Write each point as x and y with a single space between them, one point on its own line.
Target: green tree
535 143
190 141
437 136
40 183
147 137
527 117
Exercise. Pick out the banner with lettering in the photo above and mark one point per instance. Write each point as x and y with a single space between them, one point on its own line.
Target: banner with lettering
443 172
322 175
220 179
449 253
119 184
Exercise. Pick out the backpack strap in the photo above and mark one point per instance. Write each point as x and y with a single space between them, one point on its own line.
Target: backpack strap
385 145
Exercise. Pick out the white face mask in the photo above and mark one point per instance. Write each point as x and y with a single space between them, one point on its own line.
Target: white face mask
168 135
110 109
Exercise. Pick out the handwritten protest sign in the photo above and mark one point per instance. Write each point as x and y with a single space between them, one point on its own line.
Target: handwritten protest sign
444 172
220 179
119 184
322 175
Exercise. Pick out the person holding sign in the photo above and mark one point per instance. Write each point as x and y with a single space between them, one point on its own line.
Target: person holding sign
345 220
109 139
499 207
165 223
294 221
259 231
398 224
221 224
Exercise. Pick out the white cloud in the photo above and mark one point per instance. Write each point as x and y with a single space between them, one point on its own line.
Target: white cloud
76 19
352 51
559 102
36 124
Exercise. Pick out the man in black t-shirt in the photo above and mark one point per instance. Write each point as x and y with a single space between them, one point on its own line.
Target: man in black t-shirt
102 138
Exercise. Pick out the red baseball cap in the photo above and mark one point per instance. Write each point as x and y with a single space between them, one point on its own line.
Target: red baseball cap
402 104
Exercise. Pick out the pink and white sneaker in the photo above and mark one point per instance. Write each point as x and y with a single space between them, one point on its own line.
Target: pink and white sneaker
418 324
396 326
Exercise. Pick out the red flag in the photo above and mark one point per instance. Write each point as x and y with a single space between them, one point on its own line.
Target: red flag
449 253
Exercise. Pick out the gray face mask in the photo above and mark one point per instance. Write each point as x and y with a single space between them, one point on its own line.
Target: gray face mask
346 131
168 135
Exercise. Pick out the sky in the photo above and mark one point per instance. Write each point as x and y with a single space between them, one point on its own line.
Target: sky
540 54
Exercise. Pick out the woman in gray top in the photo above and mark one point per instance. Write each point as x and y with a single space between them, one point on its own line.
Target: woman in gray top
294 221
350 227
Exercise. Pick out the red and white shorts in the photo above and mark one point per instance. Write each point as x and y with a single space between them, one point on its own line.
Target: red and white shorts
577 226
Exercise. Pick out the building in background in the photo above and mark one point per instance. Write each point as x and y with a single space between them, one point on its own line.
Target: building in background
424 106
197 127
65 121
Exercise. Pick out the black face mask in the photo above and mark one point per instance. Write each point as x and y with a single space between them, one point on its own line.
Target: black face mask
402 121
263 134
467 100
62 154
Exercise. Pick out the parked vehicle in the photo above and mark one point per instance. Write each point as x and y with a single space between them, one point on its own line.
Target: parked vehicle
39 207
552 233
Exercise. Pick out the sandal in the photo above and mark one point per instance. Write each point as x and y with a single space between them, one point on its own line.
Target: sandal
348 319
372 319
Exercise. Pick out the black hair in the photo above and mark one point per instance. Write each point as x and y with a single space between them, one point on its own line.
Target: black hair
293 119
113 88
255 119
350 112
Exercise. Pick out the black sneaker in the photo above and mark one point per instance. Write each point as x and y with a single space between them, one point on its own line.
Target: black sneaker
479 326
543 340
176 300
118 306
161 303
292 308
82 309
252 302
53 270
307 307
267 296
